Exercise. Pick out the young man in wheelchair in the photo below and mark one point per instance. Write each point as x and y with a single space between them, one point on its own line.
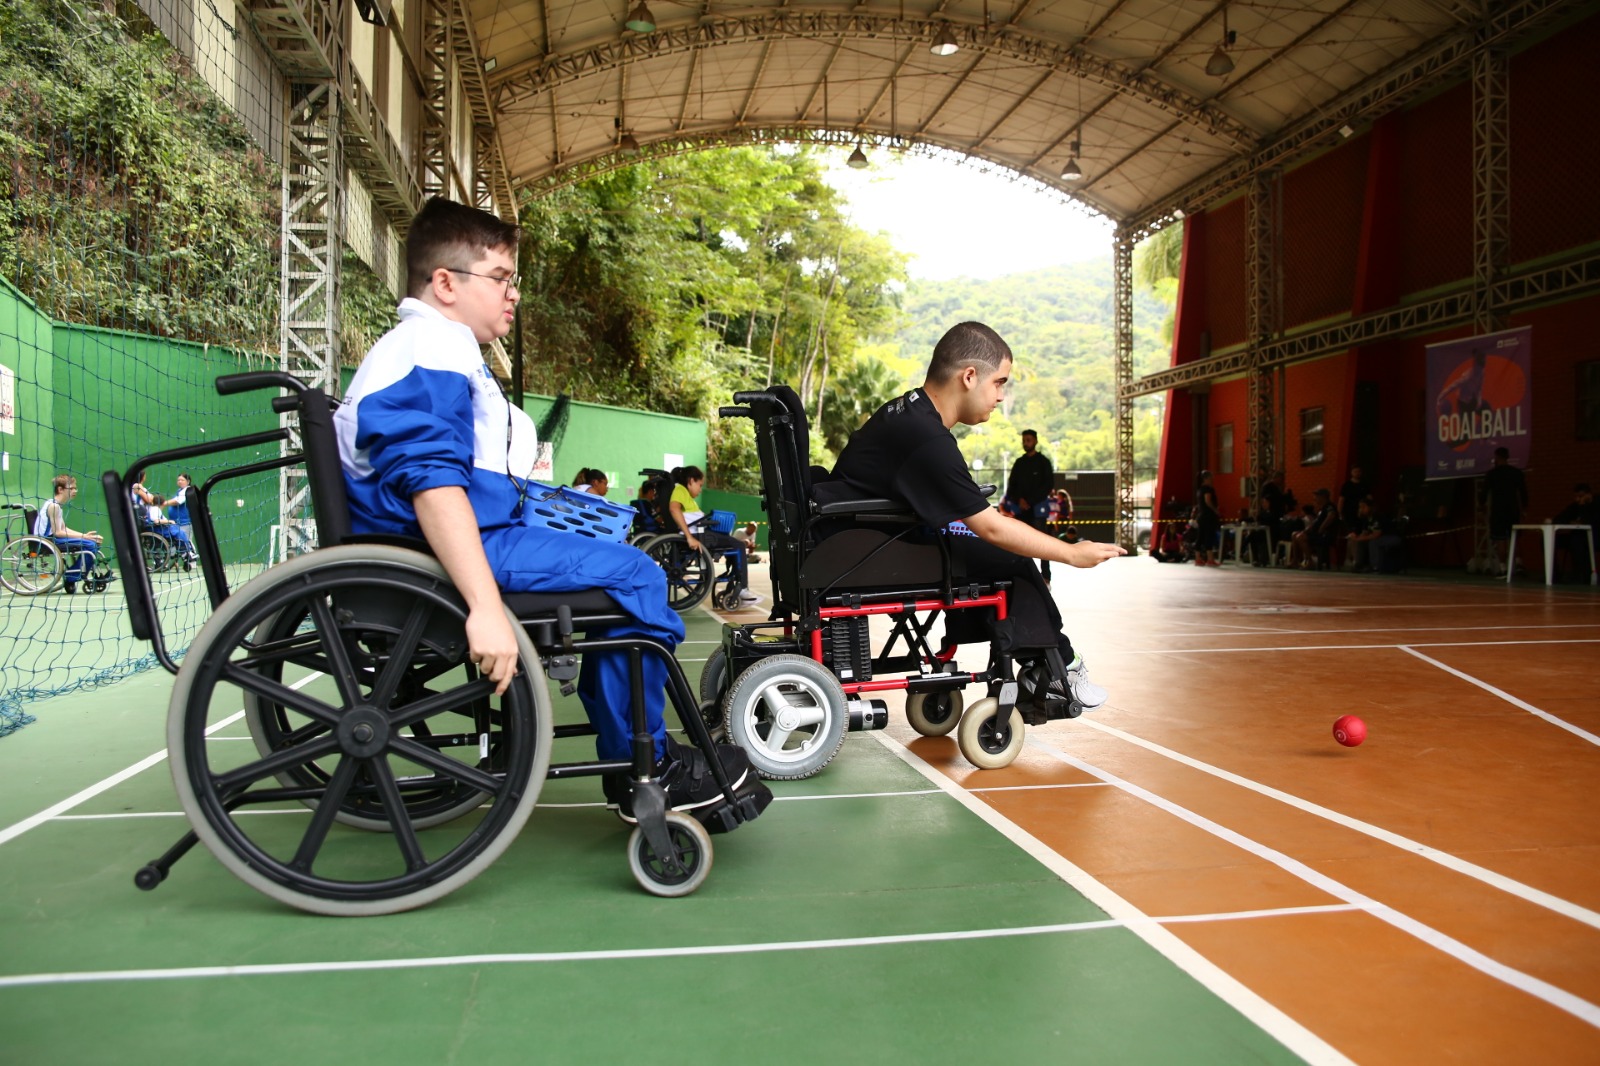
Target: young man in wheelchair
81 550
430 445
906 452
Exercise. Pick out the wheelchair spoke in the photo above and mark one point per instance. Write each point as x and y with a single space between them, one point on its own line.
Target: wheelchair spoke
344 673
283 695
442 701
405 834
786 717
298 755
400 654
443 764
322 819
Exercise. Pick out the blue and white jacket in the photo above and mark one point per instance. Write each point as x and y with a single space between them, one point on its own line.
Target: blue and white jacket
424 412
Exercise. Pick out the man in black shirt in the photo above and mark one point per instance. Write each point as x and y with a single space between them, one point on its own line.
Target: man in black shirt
1507 492
1031 481
906 452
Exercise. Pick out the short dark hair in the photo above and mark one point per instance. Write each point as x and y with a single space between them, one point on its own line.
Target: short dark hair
967 344
1502 453
447 234
1030 433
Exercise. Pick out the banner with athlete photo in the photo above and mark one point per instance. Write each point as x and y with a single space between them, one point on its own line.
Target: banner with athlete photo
1482 399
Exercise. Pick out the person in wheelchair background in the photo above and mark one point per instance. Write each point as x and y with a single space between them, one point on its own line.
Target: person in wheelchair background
906 452
684 511
431 446
81 550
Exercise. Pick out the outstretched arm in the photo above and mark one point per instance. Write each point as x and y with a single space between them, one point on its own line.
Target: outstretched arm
1022 539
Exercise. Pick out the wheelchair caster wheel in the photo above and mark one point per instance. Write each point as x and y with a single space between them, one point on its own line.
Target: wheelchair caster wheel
148 877
986 745
659 877
933 714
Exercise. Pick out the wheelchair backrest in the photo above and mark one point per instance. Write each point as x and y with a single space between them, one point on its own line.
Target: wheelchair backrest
329 501
783 443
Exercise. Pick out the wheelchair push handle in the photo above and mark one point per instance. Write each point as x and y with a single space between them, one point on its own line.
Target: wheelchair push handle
250 380
751 397
735 412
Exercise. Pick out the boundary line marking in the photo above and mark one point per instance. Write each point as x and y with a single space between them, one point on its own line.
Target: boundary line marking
1510 886
1349 647
1508 697
613 954
1266 1016
11 832
1559 998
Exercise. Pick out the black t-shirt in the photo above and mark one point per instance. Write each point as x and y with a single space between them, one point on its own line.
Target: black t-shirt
1031 479
905 453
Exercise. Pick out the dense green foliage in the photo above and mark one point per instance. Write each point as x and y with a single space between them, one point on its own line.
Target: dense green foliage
1059 324
669 285
132 196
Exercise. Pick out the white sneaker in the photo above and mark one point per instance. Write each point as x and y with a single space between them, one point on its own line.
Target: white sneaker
1084 691
746 596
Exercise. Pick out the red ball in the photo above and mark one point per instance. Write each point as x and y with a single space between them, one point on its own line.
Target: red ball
1349 730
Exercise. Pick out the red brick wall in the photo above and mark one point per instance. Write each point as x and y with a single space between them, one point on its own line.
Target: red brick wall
1322 208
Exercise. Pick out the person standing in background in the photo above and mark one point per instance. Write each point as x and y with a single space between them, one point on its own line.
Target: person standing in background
1507 492
1032 479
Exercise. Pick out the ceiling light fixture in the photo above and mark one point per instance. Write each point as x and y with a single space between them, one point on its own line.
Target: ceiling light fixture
627 144
1220 65
858 159
944 42
1072 172
640 20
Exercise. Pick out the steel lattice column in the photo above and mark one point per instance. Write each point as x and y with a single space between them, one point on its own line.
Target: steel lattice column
1262 230
1491 181
1122 282
435 166
313 200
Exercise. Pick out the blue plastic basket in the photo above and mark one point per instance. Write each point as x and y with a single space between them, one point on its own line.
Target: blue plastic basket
721 521
959 527
583 513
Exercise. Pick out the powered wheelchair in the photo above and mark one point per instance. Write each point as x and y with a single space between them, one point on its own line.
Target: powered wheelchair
788 689
381 772
691 575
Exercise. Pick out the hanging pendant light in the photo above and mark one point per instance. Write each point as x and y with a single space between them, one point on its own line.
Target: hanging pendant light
1072 172
944 42
640 20
1220 65
858 159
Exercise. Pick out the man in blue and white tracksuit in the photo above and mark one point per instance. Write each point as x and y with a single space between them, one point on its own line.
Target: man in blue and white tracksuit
432 447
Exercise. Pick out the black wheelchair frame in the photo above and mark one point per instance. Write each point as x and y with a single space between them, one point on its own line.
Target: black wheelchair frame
788 689
379 617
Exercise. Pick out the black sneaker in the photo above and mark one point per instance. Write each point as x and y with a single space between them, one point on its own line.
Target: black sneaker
686 775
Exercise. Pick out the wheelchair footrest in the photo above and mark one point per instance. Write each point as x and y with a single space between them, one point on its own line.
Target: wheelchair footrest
750 800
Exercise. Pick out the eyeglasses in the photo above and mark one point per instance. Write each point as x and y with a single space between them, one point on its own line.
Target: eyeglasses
510 283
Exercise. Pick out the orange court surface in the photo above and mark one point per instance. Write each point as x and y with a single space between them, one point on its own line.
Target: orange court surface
1431 895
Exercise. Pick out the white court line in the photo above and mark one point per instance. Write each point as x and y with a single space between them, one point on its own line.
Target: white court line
1508 697
1498 881
1559 998
11 832
1402 629
614 954
1264 1015
601 803
1350 647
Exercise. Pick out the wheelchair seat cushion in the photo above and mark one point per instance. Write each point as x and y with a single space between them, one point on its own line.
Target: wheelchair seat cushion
586 602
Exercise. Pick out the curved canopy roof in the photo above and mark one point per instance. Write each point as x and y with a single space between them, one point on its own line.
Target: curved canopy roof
1121 87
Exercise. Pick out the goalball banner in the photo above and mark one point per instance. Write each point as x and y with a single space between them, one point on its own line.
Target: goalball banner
1481 401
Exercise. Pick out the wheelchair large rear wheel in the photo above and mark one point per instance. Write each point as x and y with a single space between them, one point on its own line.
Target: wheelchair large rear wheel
690 574
713 687
788 713
31 566
159 553
274 726
356 659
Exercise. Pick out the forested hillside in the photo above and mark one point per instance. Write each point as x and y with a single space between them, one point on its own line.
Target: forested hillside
1059 323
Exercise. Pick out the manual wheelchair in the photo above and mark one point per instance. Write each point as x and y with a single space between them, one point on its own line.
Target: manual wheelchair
692 575
366 716
31 565
788 689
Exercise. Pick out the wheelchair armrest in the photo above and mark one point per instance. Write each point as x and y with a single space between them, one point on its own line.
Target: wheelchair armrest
988 490
864 506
